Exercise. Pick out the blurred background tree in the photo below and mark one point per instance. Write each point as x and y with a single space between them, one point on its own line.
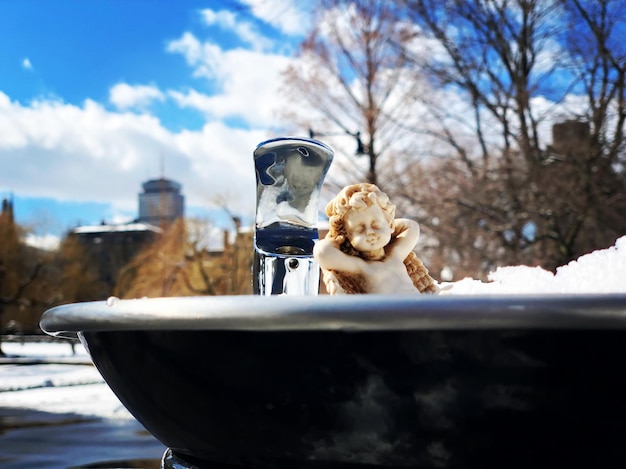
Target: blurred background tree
518 65
180 263
24 277
185 260
79 278
353 82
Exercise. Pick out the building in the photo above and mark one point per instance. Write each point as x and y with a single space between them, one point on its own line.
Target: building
108 248
571 139
161 202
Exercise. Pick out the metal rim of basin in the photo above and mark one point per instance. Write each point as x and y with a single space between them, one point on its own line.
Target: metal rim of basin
340 313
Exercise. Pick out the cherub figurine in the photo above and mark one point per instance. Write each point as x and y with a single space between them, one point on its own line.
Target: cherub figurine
366 250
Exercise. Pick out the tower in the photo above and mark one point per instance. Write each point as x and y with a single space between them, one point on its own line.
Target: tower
161 202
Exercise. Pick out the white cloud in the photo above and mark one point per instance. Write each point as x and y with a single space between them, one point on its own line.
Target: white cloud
125 96
204 57
46 242
288 16
225 18
67 152
221 163
246 31
247 82
26 64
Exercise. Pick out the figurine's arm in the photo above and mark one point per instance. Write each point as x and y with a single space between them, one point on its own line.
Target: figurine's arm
407 232
330 257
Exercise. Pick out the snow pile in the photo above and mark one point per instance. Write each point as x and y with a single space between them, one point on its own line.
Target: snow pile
602 271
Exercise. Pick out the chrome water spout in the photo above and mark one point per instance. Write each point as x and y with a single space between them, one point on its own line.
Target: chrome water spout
289 175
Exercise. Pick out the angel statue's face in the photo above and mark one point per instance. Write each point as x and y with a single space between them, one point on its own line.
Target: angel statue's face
367 228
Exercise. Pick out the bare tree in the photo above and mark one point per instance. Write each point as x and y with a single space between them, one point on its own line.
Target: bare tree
351 80
516 197
595 42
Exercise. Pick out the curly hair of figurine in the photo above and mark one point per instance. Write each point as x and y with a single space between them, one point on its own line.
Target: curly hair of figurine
358 196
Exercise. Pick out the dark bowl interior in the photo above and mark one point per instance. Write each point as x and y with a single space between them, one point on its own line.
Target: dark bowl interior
522 392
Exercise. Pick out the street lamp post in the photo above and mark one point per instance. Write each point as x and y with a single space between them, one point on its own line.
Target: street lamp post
361 148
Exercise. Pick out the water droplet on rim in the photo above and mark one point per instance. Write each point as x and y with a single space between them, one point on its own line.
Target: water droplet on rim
112 300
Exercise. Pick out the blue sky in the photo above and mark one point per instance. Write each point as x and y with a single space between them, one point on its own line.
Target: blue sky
95 95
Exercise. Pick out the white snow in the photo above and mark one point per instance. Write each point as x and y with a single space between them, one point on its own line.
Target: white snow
602 271
21 377
56 388
45 350
116 228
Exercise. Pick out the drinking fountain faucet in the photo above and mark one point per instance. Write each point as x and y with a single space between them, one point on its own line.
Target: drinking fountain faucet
289 175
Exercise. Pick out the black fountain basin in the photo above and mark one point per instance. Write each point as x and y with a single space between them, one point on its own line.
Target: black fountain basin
367 381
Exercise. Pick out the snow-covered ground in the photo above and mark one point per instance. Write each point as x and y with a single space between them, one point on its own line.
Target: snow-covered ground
56 388
61 414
